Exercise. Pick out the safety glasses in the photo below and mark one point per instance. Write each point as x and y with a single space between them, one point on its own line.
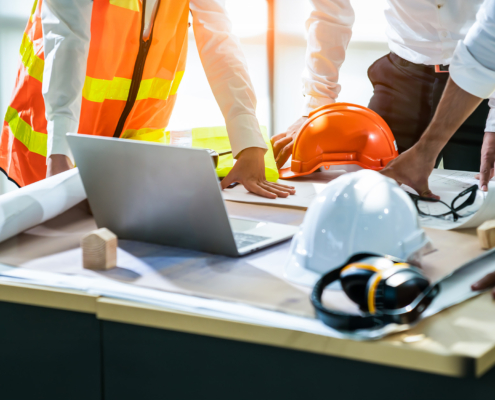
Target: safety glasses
427 206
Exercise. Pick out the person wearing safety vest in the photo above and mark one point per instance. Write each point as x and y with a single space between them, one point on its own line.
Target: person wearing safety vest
472 78
113 68
408 82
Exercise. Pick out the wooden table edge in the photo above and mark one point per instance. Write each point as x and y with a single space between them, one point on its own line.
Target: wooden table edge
50 297
485 362
131 312
377 352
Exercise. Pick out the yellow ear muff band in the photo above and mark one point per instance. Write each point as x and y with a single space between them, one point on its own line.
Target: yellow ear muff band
371 292
402 265
359 266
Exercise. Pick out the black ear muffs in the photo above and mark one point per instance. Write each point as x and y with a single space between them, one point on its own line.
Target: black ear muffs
354 279
396 288
389 291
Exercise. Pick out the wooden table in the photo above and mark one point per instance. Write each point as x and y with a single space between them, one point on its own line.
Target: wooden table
65 344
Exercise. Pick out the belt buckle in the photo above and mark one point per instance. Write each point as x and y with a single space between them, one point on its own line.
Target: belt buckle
442 69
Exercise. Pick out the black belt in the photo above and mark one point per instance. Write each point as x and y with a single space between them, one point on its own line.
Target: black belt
433 69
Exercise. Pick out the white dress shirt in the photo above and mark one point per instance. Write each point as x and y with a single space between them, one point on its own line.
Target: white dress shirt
473 65
420 31
66 28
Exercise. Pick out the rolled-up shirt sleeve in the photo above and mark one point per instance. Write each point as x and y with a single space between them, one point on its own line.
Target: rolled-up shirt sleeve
66 36
227 73
329 32
473 64
490 121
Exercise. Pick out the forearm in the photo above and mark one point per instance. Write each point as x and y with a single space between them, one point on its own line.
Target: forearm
329 32
454 108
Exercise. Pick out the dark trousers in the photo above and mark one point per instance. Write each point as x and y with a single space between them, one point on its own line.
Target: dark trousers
406 96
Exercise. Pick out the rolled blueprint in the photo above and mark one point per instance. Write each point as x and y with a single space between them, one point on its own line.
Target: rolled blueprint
34 204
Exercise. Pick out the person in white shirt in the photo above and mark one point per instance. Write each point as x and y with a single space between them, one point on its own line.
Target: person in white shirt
408 83
66 27
472 78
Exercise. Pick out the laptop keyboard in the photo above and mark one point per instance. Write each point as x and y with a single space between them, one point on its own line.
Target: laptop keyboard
245 239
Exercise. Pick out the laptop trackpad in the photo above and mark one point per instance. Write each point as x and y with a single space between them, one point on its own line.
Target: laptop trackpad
242 225
249 233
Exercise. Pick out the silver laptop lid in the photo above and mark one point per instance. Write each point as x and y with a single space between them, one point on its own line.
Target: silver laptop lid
150 192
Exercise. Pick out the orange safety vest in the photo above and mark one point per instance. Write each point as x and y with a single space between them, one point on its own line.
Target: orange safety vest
129 90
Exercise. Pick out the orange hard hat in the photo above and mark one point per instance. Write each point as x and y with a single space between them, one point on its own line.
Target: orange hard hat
338 134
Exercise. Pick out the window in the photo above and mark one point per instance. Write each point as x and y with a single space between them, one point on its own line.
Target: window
196 105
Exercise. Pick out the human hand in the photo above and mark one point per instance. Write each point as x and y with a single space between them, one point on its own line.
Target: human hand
412 168
58 163
487 160
283 142
249 170
485 283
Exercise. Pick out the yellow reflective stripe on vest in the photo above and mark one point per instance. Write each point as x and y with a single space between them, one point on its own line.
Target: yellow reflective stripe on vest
33 10
33 64
133 5
99 90
34 141
158 88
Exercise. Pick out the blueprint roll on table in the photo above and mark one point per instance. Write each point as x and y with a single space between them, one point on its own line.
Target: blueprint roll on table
32 205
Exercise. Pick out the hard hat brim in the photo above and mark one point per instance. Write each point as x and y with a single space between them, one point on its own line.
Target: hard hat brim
297 274
287 173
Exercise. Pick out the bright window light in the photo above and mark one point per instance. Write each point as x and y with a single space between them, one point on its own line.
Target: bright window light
249 18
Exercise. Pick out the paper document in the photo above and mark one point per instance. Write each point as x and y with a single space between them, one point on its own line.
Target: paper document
454 289
34 204
305 194
190 272
448 184
250 288
307 188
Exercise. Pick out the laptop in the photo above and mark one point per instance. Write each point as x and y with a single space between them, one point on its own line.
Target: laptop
165 194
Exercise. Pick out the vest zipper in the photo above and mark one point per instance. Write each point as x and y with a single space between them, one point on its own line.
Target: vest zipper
137 75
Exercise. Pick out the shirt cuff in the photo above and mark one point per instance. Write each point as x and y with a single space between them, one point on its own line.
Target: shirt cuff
470 75
490 122
57 140
312 103
244 132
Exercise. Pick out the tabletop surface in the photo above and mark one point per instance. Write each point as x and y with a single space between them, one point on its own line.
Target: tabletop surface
458 342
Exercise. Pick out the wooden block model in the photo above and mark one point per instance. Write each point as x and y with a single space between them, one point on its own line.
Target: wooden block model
486 234
99 250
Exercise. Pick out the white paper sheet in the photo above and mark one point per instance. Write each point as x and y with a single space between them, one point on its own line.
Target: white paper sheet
305 194
190 304
32 205
454 289
448 184
307 188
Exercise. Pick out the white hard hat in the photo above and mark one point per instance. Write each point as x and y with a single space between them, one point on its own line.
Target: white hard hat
359 212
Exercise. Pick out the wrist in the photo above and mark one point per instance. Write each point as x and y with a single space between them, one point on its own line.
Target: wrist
58 156
252 151
428 149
